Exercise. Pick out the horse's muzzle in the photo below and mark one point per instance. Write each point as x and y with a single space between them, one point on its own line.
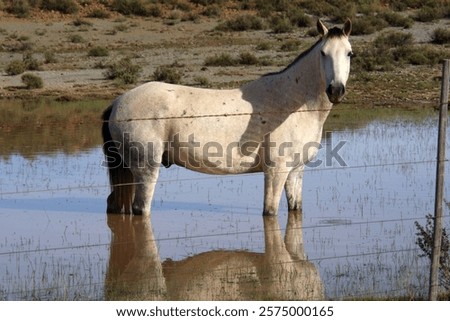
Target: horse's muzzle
335 93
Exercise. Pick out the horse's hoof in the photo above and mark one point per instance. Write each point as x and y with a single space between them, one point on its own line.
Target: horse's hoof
139 211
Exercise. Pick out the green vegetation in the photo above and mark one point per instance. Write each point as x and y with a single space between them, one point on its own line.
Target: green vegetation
124 71
242 23
393 49
285 23
135 7
19 8
98 52
168 74
425 242
32 81
222 60
441 36
63 6
226 60
16 67
99 14
75 38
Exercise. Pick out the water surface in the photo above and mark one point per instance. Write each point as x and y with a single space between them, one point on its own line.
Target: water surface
206 232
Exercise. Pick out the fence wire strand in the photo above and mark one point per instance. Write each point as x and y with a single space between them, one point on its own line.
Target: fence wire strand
349 107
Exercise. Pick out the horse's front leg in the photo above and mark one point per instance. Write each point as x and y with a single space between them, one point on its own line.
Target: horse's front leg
145 180
293 188
274 180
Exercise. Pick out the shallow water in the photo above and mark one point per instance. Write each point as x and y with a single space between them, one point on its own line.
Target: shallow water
206 238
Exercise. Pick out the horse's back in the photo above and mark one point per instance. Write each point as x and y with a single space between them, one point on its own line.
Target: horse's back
162 100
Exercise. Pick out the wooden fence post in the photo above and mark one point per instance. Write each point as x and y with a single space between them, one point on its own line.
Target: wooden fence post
440 169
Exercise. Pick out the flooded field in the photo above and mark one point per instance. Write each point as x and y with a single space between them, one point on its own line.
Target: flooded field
206 238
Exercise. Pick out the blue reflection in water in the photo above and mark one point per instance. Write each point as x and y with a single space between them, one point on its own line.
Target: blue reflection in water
358 219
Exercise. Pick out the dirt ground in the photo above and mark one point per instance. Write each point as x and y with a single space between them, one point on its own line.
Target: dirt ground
152 42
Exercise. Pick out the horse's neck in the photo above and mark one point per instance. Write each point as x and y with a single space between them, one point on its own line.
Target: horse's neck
299 87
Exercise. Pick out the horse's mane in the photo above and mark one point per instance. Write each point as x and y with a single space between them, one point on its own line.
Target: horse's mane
332 33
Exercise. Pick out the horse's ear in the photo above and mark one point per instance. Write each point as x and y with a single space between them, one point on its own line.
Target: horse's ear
347 27
321 28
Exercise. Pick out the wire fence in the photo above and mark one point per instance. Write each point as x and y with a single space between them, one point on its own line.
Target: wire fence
96 289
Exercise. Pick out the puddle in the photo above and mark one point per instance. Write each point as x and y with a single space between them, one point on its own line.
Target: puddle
207 238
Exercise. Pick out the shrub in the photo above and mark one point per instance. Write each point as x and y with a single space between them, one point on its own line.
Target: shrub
367 25
98 52
30 62
168 74
280 25
76 39
202 81
124 71
418 55
300 19
131 7
312 32
425 243
50 57
19 8
402 5
212 11
78 22
428 14
441 36
63 6
247 58
32 81
395 19
222 60
99 14
393 39
264 46
208 2
290 45
242 23
15 67
342 11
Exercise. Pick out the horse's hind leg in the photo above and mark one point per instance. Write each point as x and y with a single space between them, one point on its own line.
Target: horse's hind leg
145 180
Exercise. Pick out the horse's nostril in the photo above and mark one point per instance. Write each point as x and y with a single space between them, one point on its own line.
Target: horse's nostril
330 90
336 91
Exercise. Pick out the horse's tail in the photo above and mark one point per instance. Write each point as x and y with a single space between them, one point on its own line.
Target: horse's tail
120 177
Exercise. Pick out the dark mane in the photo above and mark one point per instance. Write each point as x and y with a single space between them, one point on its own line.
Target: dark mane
332 33
335 33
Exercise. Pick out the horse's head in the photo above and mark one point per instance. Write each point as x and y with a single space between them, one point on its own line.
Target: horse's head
335 54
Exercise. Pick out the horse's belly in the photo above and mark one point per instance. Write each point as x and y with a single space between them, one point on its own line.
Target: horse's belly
216 159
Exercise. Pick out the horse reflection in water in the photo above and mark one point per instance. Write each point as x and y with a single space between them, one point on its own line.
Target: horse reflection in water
281 273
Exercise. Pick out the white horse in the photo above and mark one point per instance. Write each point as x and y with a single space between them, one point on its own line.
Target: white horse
271 125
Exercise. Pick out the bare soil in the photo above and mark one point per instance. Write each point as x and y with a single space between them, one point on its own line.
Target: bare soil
152 42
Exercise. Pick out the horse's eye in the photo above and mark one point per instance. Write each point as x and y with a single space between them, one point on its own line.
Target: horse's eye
351 54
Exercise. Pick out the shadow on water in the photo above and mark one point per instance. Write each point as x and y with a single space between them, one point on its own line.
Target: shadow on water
282 272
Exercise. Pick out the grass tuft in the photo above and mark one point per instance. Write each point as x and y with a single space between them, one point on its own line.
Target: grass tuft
32 81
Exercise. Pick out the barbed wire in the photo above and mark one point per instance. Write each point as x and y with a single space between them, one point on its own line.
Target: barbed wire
184 238
229 270
213 177
346 106
192 237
